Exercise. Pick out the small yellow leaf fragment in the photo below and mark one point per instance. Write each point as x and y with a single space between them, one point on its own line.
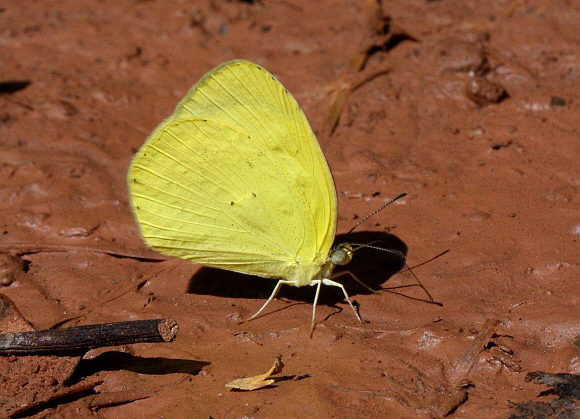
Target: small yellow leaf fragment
258 381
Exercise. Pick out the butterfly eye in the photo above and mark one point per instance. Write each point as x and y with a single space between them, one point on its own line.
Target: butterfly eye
342 254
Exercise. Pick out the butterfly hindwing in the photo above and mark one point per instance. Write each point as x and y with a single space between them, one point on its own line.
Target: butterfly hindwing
235 178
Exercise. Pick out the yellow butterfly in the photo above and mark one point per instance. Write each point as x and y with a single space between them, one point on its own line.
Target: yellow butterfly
235 179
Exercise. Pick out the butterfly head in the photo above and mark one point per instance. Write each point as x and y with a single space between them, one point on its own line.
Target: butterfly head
341 254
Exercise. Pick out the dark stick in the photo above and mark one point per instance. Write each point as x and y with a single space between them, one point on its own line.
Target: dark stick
82 338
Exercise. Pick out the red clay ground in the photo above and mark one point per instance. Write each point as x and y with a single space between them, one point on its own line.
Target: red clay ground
469 107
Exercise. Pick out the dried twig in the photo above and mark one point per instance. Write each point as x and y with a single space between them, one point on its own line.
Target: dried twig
82 338
468 359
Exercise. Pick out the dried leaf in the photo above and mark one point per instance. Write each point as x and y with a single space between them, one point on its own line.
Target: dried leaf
258 381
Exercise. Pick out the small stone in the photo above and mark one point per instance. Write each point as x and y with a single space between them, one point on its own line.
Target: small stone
485 92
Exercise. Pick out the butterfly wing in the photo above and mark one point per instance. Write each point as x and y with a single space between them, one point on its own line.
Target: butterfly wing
235 179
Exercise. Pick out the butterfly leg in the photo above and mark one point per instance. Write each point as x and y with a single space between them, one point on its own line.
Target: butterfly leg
316 282
336 275
276 289
336 284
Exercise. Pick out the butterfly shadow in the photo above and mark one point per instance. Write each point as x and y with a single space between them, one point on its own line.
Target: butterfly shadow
373 267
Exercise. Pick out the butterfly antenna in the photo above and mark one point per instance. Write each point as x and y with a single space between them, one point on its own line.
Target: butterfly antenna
375 211
383 249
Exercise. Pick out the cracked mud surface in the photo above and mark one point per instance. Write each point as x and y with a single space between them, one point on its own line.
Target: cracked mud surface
469 107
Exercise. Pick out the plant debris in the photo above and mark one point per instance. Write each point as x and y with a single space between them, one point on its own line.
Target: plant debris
258 381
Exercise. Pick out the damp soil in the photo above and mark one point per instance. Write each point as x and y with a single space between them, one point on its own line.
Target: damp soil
471 108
